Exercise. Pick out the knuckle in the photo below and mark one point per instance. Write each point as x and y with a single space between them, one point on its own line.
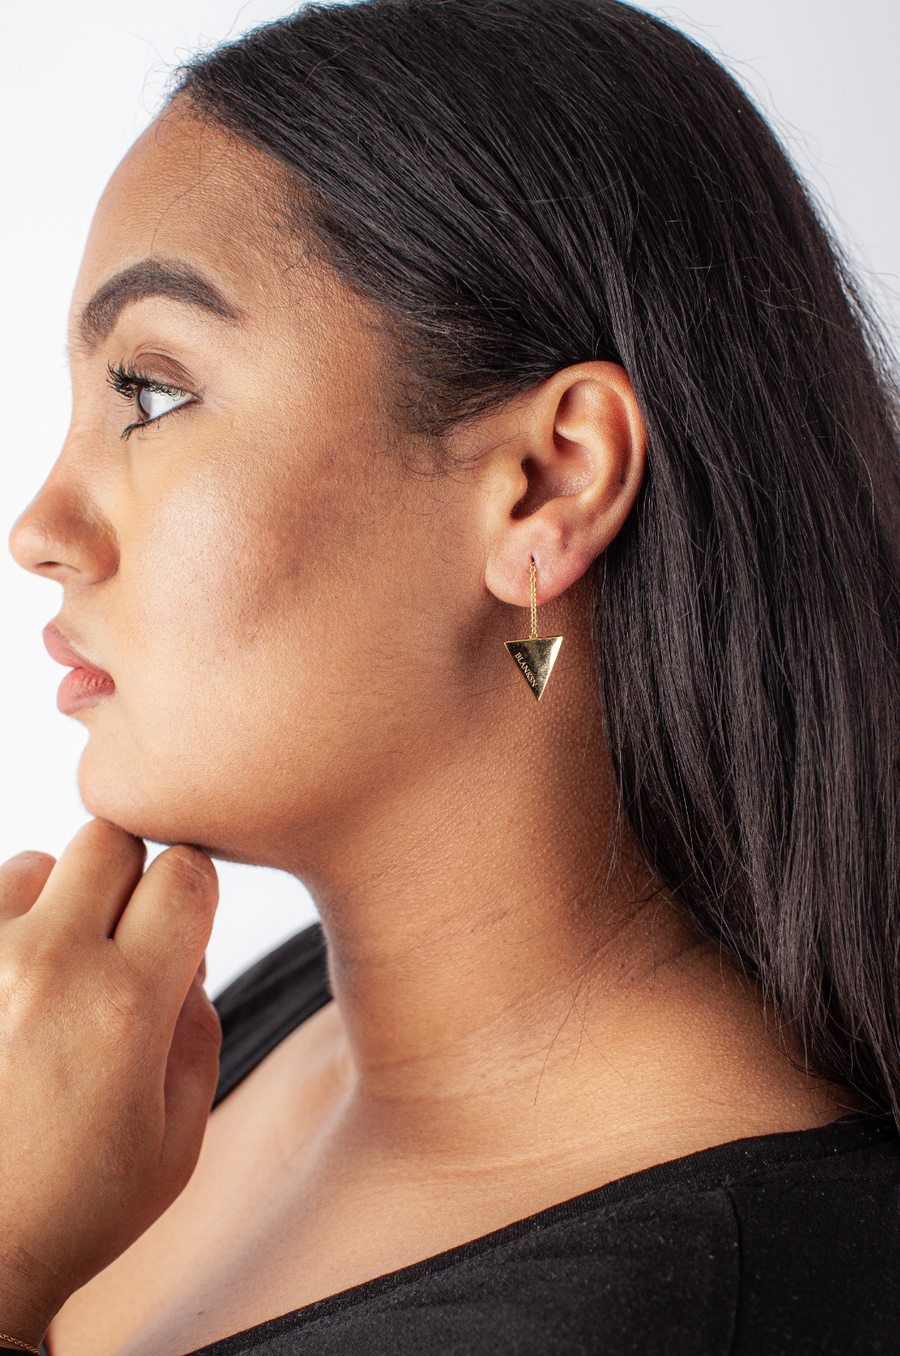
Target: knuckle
31 1004
123 1004
25 866
190 870
29 858
33 956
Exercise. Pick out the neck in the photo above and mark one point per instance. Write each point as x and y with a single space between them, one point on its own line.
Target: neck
496 943
467 912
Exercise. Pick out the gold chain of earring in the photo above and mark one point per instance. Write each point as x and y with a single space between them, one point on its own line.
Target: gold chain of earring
534 657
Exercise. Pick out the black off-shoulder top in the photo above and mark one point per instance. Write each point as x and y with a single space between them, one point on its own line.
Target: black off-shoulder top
782 1245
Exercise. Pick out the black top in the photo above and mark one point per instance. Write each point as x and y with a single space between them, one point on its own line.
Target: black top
783 1245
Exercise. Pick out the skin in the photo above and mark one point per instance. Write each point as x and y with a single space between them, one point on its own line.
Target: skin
108 1057
307 648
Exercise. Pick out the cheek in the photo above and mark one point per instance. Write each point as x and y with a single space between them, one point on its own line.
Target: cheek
225 581
277 651
233 621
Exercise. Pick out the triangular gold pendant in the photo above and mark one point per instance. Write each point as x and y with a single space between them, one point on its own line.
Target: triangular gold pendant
535 659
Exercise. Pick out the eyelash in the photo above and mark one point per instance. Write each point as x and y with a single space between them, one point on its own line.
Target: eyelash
129 383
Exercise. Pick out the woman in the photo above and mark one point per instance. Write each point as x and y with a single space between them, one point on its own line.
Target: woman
407 327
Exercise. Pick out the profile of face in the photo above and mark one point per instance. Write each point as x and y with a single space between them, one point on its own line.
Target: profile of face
301 618
277 602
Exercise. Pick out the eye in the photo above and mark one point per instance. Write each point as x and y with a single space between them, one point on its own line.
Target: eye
155 401
150 400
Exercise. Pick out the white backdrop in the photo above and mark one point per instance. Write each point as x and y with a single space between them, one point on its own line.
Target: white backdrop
82 79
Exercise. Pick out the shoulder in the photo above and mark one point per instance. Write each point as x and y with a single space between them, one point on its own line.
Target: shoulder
819 1245
779 1244
784 1245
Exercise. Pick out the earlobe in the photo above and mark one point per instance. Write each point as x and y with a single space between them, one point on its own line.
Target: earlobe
563 480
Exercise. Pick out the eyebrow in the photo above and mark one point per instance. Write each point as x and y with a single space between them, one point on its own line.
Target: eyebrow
150 278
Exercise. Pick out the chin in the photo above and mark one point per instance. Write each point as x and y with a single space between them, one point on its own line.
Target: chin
168 794
111 791
155 818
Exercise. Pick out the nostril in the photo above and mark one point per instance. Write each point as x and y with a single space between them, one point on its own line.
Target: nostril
59 521
28 544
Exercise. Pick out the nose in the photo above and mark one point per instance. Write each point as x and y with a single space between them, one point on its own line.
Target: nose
63 535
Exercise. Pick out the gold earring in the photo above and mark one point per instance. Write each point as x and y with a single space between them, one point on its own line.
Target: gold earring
535 657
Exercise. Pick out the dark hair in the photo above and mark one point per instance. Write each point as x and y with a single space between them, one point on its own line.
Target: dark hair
519 185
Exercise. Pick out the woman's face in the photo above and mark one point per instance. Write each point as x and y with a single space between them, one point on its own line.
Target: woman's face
279 606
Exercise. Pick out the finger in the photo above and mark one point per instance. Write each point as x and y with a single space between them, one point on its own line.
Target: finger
22 879
192 1072
94 878
165 928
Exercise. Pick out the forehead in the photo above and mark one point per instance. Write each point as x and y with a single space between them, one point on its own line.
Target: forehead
188 191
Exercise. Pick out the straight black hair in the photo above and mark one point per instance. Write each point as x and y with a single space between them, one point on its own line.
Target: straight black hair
520 185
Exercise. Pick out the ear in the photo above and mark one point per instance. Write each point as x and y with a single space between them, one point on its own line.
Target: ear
561 480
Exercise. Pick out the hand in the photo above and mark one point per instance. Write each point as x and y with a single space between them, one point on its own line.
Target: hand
108 1058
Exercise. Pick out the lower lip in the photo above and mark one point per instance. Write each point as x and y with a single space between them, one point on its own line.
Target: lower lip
81 688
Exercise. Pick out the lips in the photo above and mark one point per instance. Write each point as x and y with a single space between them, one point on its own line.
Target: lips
86 684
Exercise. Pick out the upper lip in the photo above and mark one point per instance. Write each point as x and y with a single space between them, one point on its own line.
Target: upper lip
59 649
